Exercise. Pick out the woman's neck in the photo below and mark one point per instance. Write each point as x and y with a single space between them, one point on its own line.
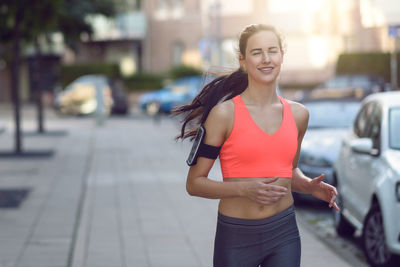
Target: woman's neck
260 94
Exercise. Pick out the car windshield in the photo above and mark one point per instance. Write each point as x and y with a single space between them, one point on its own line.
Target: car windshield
337 82
325 114
350 81
394 128
179 89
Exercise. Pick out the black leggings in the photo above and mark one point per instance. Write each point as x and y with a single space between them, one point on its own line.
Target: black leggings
273 241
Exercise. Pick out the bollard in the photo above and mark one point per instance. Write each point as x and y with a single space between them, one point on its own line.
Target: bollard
100 112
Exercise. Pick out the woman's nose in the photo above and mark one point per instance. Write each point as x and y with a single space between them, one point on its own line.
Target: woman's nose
266 57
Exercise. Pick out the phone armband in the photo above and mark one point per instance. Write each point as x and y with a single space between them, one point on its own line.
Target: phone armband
199 149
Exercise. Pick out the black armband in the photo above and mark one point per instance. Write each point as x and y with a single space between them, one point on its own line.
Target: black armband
199 149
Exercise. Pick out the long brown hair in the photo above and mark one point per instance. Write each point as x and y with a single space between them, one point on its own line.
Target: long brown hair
222 88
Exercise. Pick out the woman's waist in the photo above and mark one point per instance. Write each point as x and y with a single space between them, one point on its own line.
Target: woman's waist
245 208
257 222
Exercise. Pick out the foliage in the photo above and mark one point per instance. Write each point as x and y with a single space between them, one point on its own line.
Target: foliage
144 81
72 71
72 15
184 70
367 63
38 17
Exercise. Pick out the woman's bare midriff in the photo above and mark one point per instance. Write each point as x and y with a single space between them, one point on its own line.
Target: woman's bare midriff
242 207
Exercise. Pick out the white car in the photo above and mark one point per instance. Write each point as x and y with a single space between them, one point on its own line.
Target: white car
367 175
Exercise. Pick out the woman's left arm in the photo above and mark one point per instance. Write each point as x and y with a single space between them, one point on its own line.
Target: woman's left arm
300 182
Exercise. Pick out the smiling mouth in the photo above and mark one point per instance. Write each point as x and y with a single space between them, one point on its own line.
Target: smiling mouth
266 69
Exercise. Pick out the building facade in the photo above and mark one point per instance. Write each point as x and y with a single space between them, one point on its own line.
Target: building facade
205 33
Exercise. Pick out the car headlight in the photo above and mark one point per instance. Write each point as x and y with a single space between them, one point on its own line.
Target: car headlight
398 191
312 160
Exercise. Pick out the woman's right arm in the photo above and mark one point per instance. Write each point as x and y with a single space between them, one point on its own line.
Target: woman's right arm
218 126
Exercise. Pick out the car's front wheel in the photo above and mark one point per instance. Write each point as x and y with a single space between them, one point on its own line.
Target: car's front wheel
374 241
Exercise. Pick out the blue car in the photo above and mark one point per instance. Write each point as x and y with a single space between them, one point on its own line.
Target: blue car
180 92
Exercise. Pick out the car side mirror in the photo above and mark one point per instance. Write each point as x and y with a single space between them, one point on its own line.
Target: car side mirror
364 146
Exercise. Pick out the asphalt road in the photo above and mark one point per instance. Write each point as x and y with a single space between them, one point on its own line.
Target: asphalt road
317 217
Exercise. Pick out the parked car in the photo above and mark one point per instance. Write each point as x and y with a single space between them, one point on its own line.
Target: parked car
180 92
329 120
357 85
367 175
79 97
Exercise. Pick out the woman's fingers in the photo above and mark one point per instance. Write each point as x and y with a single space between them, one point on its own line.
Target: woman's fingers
264 192
267 200
270 180
319 178
275 188
333 198
335 206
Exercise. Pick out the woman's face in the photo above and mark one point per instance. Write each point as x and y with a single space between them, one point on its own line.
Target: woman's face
263 57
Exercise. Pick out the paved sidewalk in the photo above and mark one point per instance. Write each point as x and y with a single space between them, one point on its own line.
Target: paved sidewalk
112 196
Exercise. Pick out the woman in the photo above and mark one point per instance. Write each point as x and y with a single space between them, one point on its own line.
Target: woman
260 136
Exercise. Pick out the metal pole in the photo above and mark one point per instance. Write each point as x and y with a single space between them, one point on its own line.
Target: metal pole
394 34
15 80
38 84
393 70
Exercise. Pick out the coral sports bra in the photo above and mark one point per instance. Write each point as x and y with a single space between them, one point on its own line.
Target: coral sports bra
251 152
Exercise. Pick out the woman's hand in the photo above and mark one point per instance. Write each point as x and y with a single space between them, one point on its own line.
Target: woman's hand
324 191
263 192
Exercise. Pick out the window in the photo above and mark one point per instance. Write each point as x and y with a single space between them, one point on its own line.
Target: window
161 4
177 4
177 9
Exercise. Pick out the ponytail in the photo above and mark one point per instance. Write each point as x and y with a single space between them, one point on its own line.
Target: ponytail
219 90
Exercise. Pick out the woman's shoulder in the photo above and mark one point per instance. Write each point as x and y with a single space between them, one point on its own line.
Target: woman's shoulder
299 111
297 107
219 122
222 111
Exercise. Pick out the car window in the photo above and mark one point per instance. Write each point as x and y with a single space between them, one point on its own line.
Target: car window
368 123
394 128
361 122
373 129
340 115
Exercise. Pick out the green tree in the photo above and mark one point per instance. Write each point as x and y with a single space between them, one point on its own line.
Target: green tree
73 13
23 21
20 22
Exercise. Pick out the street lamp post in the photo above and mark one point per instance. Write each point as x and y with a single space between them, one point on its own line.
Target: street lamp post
394 32
218 29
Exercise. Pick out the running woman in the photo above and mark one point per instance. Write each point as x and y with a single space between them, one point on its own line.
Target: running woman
257 135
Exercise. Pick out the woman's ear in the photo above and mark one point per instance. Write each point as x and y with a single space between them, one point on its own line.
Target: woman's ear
242 63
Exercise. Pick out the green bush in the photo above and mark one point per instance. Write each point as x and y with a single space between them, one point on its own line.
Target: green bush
144 81
367 63
184 71
72 71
